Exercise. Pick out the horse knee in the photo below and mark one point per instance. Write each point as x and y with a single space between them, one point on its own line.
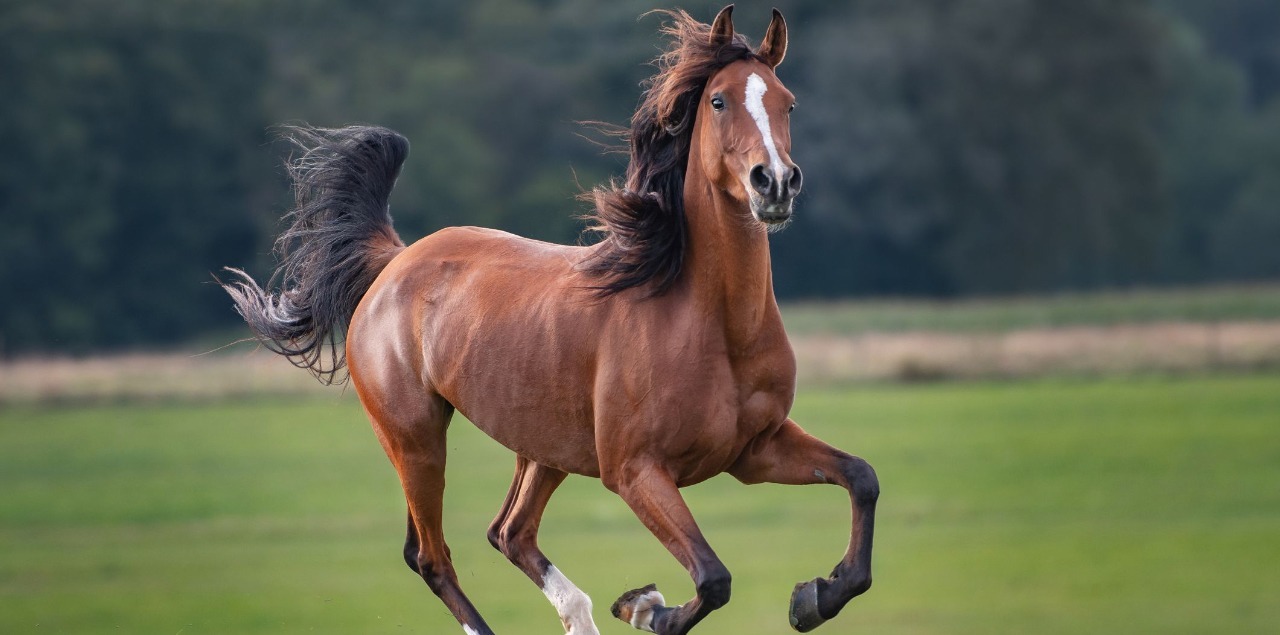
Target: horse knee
714 588
864 486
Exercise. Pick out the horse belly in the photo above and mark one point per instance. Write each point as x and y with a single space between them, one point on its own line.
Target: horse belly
558 435
526 387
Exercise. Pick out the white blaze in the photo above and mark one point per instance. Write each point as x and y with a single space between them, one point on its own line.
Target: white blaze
573 606
755 105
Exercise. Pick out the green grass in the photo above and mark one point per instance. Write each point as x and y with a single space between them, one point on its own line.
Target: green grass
1144 506
1204 304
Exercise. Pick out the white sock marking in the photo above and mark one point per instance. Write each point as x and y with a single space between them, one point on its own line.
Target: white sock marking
573 606
468 630
756 89
642 613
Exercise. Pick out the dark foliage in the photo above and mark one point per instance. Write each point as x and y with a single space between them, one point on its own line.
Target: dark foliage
131 168
949 148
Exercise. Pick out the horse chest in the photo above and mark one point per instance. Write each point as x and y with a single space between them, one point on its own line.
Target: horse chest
707 440
760 410
766 380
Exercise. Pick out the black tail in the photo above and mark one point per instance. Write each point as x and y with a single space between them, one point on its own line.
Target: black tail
339 240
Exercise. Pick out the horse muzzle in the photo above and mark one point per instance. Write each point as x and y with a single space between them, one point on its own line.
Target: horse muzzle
773 191
771 213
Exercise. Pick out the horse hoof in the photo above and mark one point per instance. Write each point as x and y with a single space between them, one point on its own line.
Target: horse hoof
638 607
804 607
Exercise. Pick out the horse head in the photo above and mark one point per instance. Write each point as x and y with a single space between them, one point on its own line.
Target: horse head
744 140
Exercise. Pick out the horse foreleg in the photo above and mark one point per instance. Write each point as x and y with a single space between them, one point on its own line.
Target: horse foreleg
653 496
791 456
515 533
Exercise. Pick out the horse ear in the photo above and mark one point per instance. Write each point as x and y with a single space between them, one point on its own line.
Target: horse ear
722 28
774 46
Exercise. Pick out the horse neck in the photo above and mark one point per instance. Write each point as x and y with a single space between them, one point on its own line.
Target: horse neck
728 267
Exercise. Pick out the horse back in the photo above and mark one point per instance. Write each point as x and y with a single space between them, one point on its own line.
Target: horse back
502 327
511 332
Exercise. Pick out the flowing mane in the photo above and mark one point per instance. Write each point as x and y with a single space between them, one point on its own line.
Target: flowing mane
643 220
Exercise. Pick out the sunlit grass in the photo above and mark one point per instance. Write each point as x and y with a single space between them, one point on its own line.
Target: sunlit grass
1118 507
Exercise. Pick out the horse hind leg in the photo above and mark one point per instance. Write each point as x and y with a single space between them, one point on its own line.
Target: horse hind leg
515 533
413 435
791 456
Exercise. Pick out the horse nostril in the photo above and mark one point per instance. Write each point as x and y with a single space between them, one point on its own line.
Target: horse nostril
761 180
796 180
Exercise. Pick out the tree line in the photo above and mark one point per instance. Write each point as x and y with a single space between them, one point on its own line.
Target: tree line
949 148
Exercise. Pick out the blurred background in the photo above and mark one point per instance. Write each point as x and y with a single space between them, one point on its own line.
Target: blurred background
1034 277
952 149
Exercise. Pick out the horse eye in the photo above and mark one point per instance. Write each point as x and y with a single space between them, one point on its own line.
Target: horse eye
791 109
717 103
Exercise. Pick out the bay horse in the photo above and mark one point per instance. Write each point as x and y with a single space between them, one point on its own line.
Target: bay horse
653 359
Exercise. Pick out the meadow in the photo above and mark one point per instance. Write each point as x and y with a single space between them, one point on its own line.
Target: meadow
1142 505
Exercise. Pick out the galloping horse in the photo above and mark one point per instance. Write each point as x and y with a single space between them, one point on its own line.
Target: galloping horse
652 360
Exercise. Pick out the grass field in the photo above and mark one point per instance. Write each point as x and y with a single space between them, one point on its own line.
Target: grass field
1137 506
1245 303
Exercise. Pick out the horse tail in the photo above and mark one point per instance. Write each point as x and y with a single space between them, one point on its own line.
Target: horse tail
339 239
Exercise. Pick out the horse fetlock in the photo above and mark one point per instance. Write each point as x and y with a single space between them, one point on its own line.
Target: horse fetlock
861 586
639 607
714 591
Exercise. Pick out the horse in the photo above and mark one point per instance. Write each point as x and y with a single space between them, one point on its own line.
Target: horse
653 359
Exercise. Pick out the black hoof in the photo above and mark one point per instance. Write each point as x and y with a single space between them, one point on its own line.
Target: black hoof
804 607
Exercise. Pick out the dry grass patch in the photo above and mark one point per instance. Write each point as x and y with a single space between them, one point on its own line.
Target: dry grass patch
1167 347
151 377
